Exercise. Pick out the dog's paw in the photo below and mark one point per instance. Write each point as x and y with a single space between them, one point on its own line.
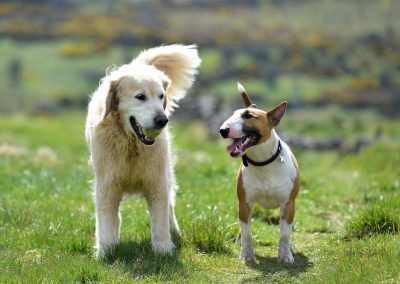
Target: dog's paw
286 258
247 256
163 247
101 250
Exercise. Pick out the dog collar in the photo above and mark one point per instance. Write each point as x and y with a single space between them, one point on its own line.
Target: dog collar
246 160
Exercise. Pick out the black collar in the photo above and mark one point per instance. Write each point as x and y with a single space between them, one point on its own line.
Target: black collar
246 160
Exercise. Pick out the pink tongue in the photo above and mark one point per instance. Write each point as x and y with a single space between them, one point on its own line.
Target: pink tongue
235 143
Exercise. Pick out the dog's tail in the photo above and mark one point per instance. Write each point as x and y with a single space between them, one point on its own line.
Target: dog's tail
179 63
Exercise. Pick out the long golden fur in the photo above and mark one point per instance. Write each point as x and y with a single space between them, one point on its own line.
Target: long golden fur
136 96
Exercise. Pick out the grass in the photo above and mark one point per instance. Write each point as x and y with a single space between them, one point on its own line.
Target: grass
343 229
347 220
378 218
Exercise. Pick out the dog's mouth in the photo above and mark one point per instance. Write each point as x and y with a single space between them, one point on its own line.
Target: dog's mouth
137 128
240 145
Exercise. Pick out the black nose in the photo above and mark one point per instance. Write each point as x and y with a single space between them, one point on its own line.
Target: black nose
224 132
160 120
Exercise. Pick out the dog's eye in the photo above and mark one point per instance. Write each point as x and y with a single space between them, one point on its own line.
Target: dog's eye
248 115
161 96
141 97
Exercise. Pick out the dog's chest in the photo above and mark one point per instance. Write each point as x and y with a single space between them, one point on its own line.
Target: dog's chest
268 186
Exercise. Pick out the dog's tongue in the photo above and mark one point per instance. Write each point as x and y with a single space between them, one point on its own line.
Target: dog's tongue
236 142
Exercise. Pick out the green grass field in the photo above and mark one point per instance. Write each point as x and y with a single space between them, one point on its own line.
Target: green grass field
346 228
335 62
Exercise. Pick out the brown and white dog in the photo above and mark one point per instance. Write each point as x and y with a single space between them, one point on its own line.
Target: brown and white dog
269 174
132 103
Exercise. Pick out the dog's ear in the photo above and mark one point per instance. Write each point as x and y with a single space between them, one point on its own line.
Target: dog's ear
112 98
275 115
245 97
179 63
166 84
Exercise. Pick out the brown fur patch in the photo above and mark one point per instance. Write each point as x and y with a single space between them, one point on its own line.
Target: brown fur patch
263 121
244 208
260 122
289 211
296 187
165 103
246 99
275 115
112 97
166 84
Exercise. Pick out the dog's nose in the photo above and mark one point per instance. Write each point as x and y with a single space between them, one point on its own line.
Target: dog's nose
160 120
224 132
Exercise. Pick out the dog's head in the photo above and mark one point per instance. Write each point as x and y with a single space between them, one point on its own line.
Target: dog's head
250 126
144 92
138 94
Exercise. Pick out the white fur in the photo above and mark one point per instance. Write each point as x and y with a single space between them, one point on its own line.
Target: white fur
121 163
240 88
270 186
285 245
246 242
234 124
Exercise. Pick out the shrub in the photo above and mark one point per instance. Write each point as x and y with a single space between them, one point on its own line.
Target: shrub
75 49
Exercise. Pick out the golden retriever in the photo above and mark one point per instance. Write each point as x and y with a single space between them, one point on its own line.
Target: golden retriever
127 134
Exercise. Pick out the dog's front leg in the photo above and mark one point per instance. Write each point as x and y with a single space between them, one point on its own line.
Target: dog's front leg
285 244
108 218
244 237
158 202
246 240
173 223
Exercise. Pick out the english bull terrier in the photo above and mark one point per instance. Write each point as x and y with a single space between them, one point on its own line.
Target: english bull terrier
268 175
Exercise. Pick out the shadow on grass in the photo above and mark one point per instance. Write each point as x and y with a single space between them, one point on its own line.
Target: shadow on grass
270 266
140 261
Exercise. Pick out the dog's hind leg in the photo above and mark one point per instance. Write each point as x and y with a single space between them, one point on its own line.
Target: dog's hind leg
173 223
159 207
108 219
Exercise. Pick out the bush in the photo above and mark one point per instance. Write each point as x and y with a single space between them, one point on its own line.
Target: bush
75 49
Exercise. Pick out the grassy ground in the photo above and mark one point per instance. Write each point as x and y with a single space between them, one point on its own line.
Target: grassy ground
346 228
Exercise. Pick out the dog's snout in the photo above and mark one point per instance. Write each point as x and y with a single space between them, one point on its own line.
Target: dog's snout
160 120
224 132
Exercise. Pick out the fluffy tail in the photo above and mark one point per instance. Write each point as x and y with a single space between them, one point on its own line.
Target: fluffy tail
179 63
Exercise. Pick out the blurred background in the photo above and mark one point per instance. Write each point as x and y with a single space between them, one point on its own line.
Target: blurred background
336 62
333 61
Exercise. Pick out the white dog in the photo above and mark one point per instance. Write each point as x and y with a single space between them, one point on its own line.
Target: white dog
125 115
262 177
